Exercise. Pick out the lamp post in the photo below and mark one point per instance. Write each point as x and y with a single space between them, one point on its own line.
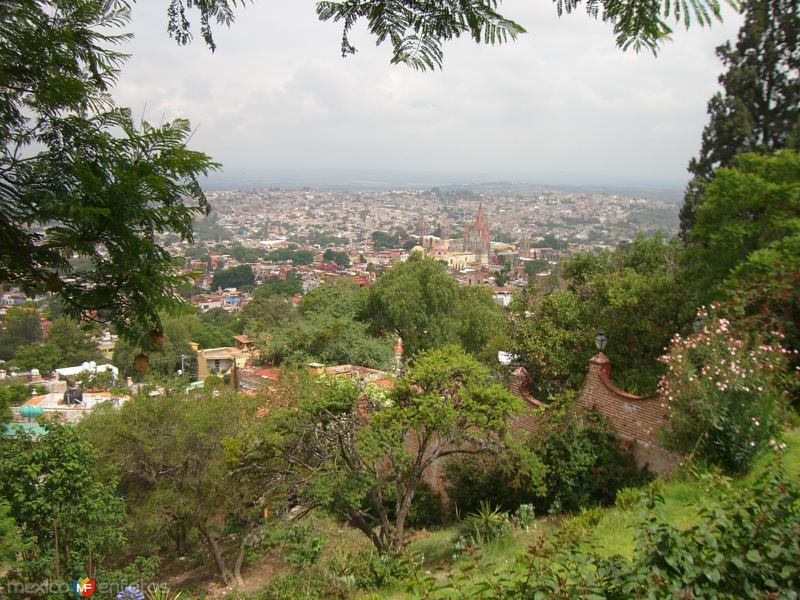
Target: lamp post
601 340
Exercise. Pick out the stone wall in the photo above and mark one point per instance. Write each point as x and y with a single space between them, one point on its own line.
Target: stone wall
633 418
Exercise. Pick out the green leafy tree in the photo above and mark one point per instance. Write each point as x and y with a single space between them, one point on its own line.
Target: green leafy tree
79 177
637 294
44 357
67 529
339 258
419 301
417 30
74 341
267 310
384 241
502 277
758 108
235 277
748 207
338 299
22 326
173 456
534 267
289 285
482 327
351 455
416 300
295 256
324 338
10 544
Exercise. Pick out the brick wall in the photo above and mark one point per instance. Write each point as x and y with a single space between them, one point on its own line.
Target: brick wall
633 418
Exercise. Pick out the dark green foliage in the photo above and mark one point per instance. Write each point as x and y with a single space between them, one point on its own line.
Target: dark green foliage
586 463
172 455
38 480
246 255
748 207
10 544
141 572
44 357
338 299
74 341
420 302
235 277
266 311
534 267
14 394
572 460
79 176
327 331
22 327
635 293
339 258
417 30
330 340
759 107
508 480
332 457
290 285
385 241
293 255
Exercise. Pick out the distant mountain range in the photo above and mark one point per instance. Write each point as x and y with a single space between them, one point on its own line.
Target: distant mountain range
382 180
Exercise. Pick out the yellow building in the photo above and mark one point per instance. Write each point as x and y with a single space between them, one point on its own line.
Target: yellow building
219 361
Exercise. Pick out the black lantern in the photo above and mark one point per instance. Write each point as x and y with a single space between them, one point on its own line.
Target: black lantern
601 340
698 323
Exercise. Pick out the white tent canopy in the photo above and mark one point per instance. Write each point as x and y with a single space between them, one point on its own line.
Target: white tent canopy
87 367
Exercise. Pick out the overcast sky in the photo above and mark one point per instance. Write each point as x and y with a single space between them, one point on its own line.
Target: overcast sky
277 95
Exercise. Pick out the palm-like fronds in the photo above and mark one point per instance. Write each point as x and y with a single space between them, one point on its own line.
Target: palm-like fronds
417 29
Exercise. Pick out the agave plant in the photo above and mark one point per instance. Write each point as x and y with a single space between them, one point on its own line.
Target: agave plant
486 525
162 593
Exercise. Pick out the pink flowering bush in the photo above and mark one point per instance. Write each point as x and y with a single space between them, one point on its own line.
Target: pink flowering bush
726 390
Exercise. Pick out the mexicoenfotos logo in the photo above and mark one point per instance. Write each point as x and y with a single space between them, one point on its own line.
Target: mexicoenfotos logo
83 588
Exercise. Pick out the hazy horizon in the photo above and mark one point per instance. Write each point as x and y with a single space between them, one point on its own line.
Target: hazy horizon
560 105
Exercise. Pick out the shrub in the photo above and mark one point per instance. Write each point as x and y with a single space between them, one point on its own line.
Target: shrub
524 516
586 463
725 392
746 547
507 480
627 498
310 585
483 527
370 570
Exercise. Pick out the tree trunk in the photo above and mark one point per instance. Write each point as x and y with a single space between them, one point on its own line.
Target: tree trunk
357 520
180 539
216 553
402 507
386 528
237 566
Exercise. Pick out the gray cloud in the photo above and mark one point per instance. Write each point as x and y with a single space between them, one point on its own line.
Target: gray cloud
277 95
